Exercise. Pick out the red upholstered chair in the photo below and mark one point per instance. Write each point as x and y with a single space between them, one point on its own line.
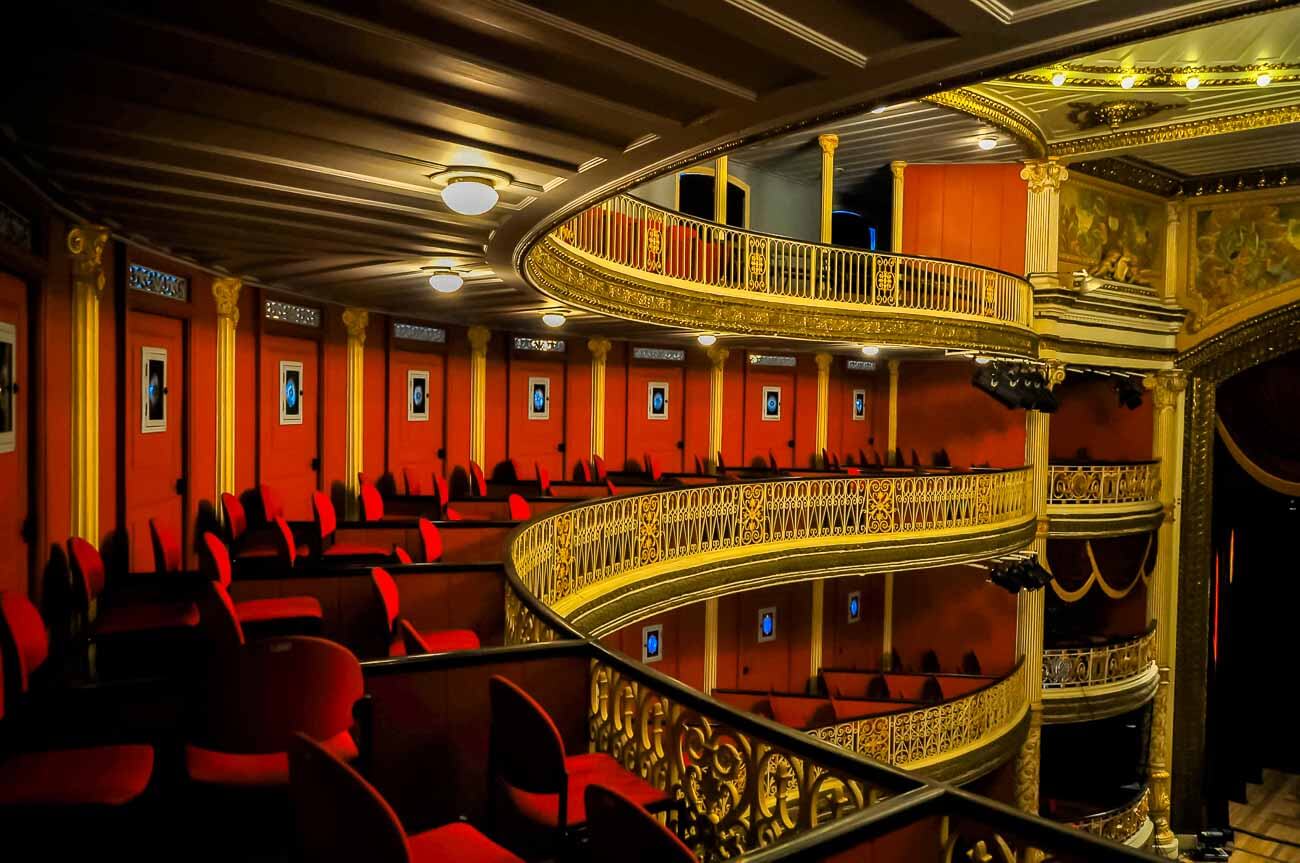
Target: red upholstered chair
327 527
412 481
625 239
402 555
436 640
243 544
340 816
601 473
167 554
519 508
526 759
258 697
440 490
478 483
372 503
699 465
286 547
450 514
652 468
272 505
430 541
98 776
295 611
771 460
619 829
220 624
584 472
89 580
611 488
543 480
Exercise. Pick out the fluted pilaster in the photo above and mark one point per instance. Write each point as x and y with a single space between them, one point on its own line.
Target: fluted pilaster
86 243
599 353
226 294
478 343
356 321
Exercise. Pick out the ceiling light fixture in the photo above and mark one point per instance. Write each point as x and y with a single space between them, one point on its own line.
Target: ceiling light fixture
870 351
1192 82
1264 79
707 339
879 109
446 281
988 142
553 319
471 191
1058 78
1127 82
981 361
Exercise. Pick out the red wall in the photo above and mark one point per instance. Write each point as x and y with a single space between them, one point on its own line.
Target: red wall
951 610
683 643
938 408
1090 417
853 645
968 213
780 665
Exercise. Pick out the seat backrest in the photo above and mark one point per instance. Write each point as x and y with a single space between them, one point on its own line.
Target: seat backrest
323 509
257 698
412 481
543 479
430 541
652 467
584 471
526 748
622 830
272 506
519 508
479 481
338 814
699 465
440 490
215 558
930 662
219 620
87 569
931 691
389 599
236 518
970 663
611 488
26 632
411 638
771 460
602 473
372 503
403 556
166 547
721 464
285 545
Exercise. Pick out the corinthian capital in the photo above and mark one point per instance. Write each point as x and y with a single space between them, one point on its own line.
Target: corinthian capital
478 339
1043 174
599 348
823 361
356 321
1166 386
718 356
86 245
828 142
226 292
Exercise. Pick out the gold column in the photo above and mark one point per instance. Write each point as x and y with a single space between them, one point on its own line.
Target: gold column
599 352
887 625
356 321
1044 177
720 190
828 144
710 645
823 361
717 379
478 342
892 441
1174 265
1162 594
86 245
226 293
896 220
816 635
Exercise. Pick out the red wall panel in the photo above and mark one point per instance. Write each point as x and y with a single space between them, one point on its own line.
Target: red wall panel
695 408
375 404
656 436
853 645
333 389
414 444
108 395
780 665
615 409
577 414
805 451
457 400
1090 418
938 408
247 403
764 437
14 503
498 410
951 610
533 439
683 643
969 213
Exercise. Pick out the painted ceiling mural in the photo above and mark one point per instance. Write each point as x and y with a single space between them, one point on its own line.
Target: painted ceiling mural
1243 250
1111 235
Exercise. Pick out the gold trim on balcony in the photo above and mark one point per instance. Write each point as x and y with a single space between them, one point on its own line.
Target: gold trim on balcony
1092 500
1096 682
1120 824
629 259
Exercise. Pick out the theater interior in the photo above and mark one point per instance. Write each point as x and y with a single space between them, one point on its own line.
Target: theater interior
549 430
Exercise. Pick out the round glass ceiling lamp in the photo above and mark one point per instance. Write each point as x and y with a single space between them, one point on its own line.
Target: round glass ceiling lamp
706 339
446 282
553 319
470 196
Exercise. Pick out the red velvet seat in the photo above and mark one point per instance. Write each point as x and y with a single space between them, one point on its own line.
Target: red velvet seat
584 472
272 505
372 503
243 545
167 554
327 527
259 696
433 640
478 481
89 580
526 757
601 473
621 830
304 610
402 555
411 481
519 508
611 488
340 816
430 541
543 480
652 468
86 776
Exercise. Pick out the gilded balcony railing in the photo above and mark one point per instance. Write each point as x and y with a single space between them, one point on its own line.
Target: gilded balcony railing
912 737
1103 484
640 237
1121 823
559 555
1094 666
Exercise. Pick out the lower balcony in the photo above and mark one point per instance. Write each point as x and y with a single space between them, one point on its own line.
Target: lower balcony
1127 823
1092 500
1096 681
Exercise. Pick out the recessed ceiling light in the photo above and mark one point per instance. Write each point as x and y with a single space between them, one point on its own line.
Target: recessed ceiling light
981 361
1127 82
553 319
1058 78
706 339
1264 79
870 351
988 142
879 109
471 191
1192 82
446 282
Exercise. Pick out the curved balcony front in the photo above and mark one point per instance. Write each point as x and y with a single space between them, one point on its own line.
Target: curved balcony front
1128 824
1094 500
1099 681
630 259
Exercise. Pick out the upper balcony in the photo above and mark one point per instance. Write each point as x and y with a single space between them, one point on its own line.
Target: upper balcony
630 259
1103 499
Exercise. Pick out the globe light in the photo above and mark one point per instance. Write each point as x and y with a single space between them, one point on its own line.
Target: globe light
1058 79
879 109
1264 79
1192 82
470 196
988 142
553 319
1127 82
706 339
446 283
870 351
981 361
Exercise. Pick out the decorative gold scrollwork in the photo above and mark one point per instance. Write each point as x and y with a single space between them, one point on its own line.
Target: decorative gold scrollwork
648 530
752 516
1103 484
1094 666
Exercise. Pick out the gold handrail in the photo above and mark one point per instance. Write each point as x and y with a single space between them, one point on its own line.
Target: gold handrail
1121 823
1093 666
631 234
913 738
1075 484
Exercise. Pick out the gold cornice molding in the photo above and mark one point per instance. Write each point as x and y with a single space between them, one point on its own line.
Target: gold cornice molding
985 107
1186 130
573 281
1083 76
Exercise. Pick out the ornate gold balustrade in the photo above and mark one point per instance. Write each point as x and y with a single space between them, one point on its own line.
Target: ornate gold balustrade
628 258
1121 823
1087 500
915 739
603 563
1100 665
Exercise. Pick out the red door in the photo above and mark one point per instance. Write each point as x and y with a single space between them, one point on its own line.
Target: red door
415 416
290 439
155 454
656 409
536 411
769 414
14 502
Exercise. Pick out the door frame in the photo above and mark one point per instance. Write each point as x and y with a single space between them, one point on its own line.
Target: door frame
438 349
318 335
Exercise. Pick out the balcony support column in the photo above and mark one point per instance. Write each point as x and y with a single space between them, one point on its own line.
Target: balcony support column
1162 594
815 639
720 176
710 645
356 321
887 625
828 144
599 348
478 342
892 444
86 244
897 168
823 361
717 381
226 293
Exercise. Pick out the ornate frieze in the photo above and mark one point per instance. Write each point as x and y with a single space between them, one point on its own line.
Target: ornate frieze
292 313
546 346
156 282
419 333
666 355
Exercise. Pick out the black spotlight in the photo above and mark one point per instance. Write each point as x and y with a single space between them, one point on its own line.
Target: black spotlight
998 576
1212 845
1036 575
993 379
1129 392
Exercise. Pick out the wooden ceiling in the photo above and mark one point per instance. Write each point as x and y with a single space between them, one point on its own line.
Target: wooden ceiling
291 142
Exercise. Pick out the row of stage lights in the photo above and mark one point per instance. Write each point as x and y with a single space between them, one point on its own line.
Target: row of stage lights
1262 79
1019 572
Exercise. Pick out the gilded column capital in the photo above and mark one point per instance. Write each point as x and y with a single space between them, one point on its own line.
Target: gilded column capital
893 366
86 245
1166 386
1173 212
1054 372
1044 174
226 292
897 167
478 339
1042 527
356 321
828 143
718 357
823 360
599 348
